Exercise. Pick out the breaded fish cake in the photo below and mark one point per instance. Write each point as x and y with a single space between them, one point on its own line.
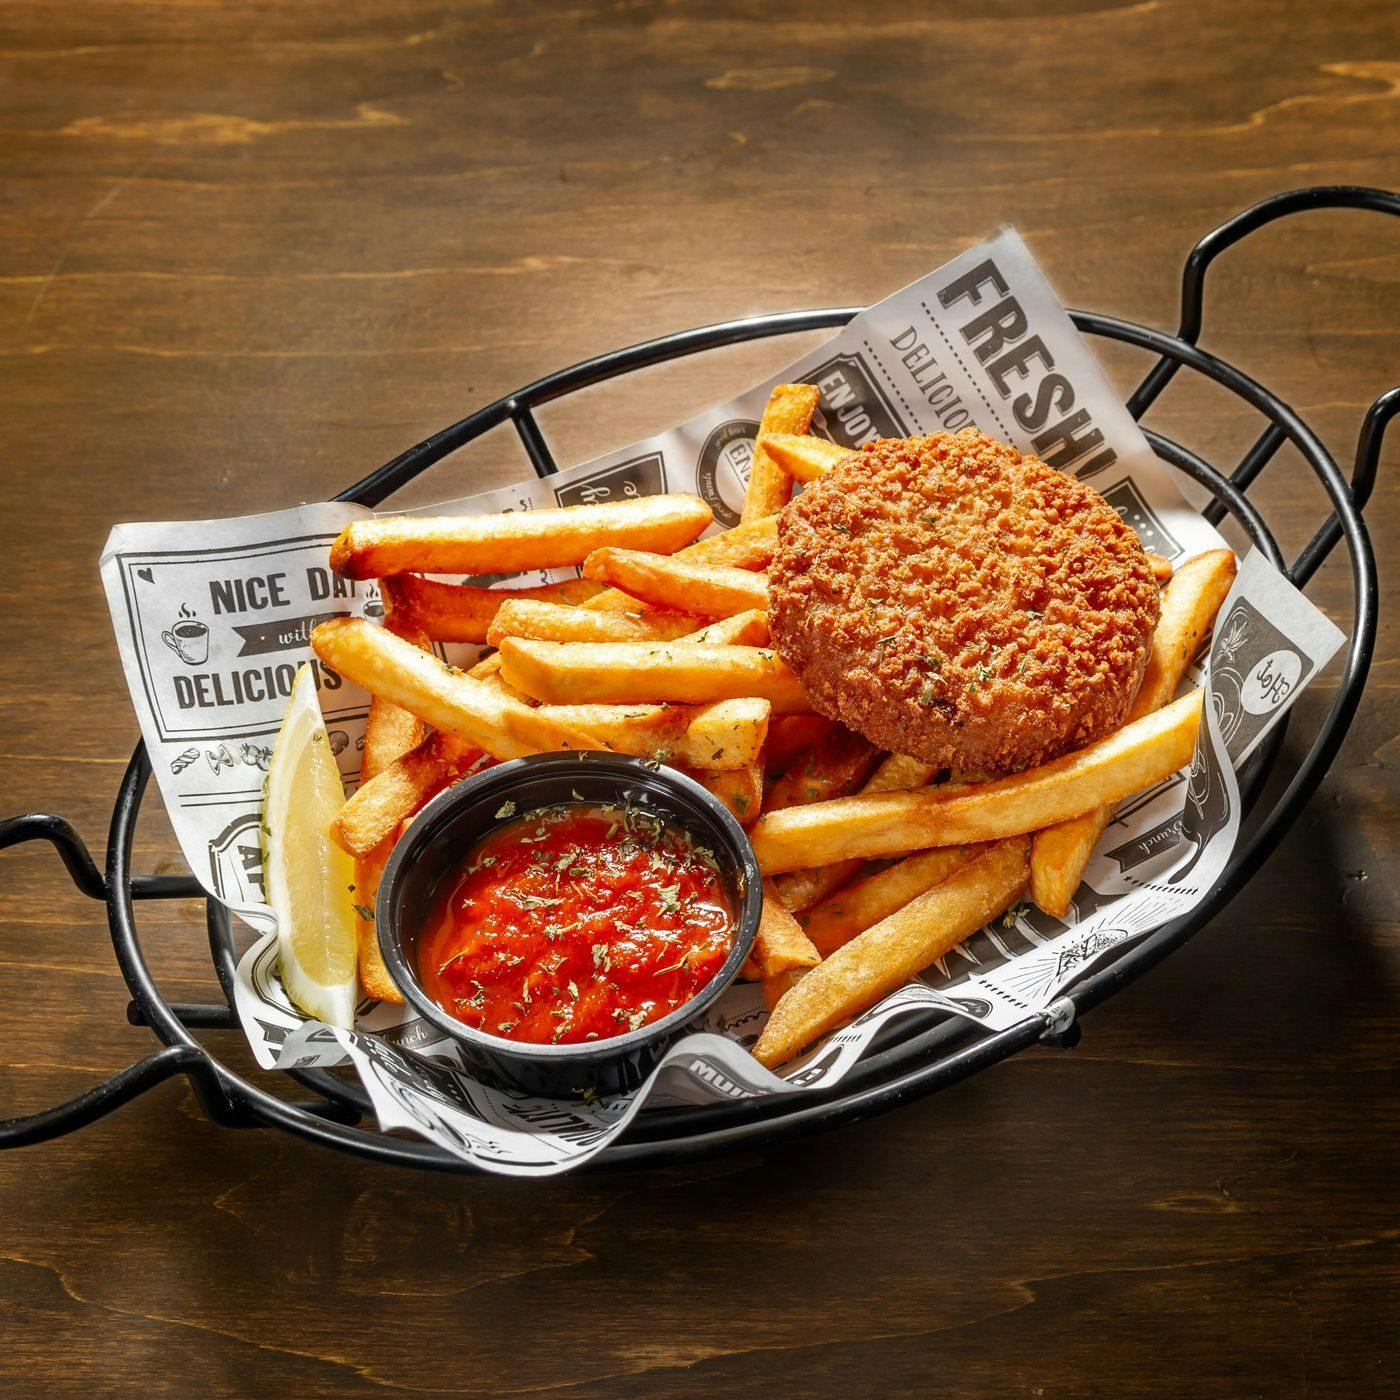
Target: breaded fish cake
951 598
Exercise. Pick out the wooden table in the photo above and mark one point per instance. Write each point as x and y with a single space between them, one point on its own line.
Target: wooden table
250 251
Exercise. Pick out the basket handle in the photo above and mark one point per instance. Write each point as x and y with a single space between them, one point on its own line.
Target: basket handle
125 1085
60 833
1193 291
1363 481
1232 231
132 1081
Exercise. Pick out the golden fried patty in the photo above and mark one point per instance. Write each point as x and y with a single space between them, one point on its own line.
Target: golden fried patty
952 599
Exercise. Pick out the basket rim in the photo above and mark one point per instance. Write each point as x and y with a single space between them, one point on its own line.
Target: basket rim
883 1078
911 1067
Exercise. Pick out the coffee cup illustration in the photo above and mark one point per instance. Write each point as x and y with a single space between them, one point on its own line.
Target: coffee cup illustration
188 638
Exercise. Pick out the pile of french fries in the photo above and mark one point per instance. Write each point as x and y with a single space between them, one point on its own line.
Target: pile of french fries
875 865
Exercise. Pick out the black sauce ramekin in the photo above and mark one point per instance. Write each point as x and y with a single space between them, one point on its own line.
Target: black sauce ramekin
431 852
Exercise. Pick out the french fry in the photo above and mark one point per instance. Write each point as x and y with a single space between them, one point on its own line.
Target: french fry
745 629
727 734
374 813
1190 602
630 673
748 546
1189 605
780 944
665 581
776 988
898 772
374 976
789 410
513 541
458 612
487 667
852 910
740 789
791 735
445 698
886 955
560 622
832 768
802 456
1161 566
892 823
389 734
801 889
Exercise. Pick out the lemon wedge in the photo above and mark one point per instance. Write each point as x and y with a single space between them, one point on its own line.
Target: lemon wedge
309 878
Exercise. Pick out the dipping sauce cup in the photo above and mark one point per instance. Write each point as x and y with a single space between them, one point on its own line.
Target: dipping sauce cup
670 813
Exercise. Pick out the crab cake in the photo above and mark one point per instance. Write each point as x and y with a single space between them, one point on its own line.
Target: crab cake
953 599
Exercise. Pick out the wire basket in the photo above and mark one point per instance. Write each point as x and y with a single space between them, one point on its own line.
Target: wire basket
916 1056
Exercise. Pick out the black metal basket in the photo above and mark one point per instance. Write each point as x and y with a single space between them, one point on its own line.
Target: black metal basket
916 1056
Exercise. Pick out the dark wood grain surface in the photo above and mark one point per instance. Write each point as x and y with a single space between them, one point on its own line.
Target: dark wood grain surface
250 250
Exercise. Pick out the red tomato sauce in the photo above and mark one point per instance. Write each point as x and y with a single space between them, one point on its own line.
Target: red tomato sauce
576 923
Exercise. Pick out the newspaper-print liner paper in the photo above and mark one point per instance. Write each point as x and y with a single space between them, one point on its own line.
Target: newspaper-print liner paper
213 618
